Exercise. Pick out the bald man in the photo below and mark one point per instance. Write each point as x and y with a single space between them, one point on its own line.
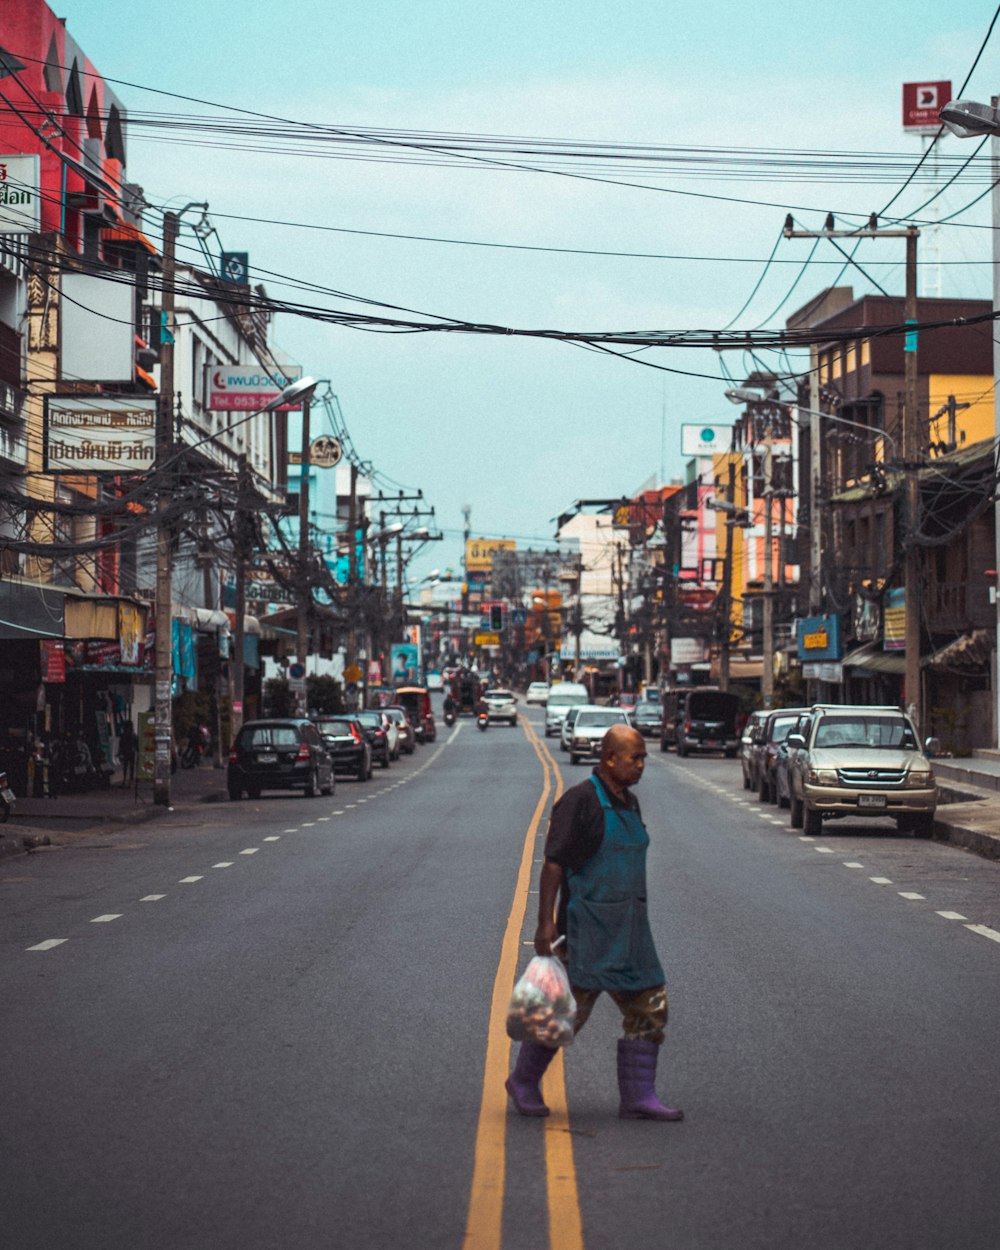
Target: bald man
595 868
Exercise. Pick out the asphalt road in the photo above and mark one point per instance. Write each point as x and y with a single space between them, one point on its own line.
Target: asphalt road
279 1024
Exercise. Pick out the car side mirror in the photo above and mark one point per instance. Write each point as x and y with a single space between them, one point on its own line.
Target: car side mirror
932 747
795 740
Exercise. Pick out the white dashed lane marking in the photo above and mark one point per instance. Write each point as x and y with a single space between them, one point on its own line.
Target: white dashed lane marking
189 880
154 898
984 931
48 944
273 838
226 863
951 915
880 880
852 864
251 850
106 919
912 897
823 850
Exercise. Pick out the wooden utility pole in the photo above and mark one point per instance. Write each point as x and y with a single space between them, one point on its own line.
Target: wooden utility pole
727 588
767 661
163 655
241 554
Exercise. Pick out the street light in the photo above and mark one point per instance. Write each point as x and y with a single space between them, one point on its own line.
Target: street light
968 120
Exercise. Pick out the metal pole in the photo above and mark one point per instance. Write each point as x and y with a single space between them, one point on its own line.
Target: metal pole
163 656
912 453
352 568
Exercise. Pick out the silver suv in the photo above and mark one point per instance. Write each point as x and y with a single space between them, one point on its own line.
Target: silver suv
862 762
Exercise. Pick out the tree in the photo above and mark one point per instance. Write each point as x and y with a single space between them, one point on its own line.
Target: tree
325 695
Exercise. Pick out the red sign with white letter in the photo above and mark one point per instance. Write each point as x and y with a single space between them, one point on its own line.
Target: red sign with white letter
922 103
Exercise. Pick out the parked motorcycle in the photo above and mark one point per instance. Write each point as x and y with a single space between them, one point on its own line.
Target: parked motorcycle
7 800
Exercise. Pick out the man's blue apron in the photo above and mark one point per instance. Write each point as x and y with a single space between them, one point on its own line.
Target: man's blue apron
610 944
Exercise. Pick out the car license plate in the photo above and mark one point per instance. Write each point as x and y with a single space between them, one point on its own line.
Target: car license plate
267 757
871 800
712 742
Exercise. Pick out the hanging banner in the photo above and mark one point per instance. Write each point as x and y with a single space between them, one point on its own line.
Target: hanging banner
53 660
894 620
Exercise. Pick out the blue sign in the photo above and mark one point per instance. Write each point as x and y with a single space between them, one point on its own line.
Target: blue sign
818 638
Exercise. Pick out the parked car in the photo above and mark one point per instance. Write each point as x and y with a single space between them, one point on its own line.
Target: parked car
501 706
563 696
749 747
786 758
704 720
404 730
279 755
537 692
647 717
348 744
777 726
590 724
861 761
374 724
416 702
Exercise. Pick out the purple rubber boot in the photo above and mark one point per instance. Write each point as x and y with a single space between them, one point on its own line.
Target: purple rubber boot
523 1082
637 1083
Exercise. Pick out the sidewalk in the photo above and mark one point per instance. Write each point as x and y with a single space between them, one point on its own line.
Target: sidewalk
43 822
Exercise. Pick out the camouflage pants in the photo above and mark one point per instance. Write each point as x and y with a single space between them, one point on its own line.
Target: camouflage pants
644 1012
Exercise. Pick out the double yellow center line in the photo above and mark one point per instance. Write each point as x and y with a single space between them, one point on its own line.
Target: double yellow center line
484 1225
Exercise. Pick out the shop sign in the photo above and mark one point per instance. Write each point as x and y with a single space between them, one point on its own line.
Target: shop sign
686 651
922 104
705 440
486 640
53 655
131 631
818 639
867 619
325 452
20 195
826 671
98 435
242 388
894 620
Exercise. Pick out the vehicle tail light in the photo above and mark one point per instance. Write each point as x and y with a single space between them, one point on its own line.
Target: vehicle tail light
687 726
233 757
303 752
356 733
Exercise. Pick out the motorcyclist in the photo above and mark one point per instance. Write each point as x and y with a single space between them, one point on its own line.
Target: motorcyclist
449 708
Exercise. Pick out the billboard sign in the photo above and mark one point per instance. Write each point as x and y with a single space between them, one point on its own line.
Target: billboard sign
247 388
99 434
922 103
705 440
20 195
405 664
479 552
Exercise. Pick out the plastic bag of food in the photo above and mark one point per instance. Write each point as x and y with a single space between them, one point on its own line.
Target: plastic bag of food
542 1007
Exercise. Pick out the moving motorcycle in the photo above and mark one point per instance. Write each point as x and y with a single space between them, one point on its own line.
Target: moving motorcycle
483 721
7 799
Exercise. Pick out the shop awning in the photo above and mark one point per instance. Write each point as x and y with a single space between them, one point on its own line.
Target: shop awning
875 660
969 654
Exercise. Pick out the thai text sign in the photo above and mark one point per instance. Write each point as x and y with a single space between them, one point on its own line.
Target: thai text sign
99 434
479 552
818 639
20 201
246 388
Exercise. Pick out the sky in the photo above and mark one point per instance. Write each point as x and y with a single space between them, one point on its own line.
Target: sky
520 428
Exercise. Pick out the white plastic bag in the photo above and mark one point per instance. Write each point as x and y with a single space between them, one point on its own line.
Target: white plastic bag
542 1007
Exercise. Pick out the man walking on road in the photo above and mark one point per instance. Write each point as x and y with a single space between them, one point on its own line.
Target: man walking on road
595 865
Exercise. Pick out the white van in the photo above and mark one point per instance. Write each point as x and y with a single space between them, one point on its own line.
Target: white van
562 697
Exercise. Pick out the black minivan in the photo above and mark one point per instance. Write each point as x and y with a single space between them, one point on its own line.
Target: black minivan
701 718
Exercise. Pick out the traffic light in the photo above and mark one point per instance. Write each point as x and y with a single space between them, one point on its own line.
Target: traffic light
496 617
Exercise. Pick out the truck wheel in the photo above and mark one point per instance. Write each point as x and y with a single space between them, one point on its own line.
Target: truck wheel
764 791
795 812
923 825
812 821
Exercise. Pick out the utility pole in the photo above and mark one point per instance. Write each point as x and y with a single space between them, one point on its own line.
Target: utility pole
913 449
352 568
305 593
912 455
727 574
163 655
767 673
236 664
